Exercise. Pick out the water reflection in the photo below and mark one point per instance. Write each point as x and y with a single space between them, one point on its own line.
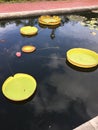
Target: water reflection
24 117
66 119
65 96
53 29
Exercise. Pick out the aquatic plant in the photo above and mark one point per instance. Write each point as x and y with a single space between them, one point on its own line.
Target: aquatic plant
92 23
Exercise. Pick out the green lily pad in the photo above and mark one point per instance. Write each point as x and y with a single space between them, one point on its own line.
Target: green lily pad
92 23
19 87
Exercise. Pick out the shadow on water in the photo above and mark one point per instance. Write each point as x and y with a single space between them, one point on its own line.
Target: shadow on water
81 69
29 36
49 26
23 101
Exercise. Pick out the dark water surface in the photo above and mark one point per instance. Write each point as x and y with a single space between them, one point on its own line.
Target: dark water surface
66 96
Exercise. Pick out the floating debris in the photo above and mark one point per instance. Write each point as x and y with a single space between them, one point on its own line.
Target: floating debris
18 54
93 33
2 40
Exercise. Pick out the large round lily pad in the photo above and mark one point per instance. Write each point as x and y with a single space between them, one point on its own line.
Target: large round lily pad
19 87
81 57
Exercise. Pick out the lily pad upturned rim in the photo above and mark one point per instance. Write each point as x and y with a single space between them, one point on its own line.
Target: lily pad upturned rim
82 52
49 20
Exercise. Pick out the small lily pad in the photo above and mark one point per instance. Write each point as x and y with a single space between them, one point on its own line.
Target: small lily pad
28 48
28 30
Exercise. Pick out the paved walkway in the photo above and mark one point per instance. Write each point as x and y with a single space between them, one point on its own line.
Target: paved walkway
90 125
42 7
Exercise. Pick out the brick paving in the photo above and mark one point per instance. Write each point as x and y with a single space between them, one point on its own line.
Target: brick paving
46 5
13 10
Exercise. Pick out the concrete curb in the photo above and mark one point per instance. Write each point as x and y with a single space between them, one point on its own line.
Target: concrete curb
24 14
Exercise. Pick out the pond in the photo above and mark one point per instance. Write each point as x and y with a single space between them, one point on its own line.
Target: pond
66 96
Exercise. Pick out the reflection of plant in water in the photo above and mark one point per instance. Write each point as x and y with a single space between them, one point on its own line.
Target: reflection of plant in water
24 22
64 20
52 34
53 29
92 23
3 24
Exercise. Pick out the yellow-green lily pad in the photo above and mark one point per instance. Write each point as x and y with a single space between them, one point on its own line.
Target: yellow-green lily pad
82 57
19 87
28 30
